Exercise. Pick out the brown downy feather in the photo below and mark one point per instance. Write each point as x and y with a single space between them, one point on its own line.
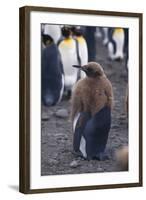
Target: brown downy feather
93 92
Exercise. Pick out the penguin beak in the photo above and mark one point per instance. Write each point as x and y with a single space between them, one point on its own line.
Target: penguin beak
80 67
77 66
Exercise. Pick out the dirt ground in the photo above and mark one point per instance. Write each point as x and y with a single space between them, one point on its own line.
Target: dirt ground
56 135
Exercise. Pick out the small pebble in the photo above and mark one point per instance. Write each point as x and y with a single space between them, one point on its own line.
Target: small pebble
99 169
61 136
74 164
45 117
62 113
115 126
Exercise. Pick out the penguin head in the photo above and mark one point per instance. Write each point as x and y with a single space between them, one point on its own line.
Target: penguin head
47 39
77 31
92 69
66 31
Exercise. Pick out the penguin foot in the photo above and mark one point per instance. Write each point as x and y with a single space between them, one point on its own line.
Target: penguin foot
77 153
48 100
101 157
109 59
67 95
118 59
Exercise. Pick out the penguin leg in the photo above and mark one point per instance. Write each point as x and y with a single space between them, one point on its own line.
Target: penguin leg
69 93
101 156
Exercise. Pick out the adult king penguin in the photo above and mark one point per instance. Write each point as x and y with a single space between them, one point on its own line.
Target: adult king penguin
91 42
52 73
67 48
82 50
52 30
116 43
92 100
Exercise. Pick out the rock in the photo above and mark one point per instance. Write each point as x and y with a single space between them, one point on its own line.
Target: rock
91 165
61 136
122 117
99 169
112 136
45 117
115 126
53 162
44 142
62 113
74 164
55 155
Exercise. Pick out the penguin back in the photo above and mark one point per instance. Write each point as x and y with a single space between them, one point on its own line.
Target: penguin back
52 75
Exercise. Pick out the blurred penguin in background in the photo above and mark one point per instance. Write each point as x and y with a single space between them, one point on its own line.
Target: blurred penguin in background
78 32
82 50
52 75
116 43
68 50
90 32
122 155
126 47
92 101
99 32
53 31
105 31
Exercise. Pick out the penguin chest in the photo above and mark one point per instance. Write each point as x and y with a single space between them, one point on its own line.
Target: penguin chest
83 51
118 37
94 100
69 58
68 53
100 100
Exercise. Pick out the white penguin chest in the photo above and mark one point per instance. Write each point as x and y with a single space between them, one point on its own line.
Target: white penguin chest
69 57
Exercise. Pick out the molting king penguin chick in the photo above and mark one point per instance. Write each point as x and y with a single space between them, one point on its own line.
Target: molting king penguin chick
92 101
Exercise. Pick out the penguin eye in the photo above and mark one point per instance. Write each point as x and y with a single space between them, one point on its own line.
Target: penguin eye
90 70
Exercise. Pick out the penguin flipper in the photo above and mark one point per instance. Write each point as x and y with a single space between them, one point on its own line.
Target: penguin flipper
79 142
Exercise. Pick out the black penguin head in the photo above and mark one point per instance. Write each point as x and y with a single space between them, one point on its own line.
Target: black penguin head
92 69
66 31
46 39
77 30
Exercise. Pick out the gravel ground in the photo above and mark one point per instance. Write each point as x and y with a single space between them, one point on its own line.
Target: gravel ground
56 136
